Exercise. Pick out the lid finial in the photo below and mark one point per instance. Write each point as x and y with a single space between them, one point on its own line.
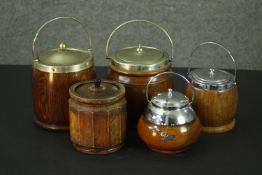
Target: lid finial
212 72
170 93
62 46
139 49
97 83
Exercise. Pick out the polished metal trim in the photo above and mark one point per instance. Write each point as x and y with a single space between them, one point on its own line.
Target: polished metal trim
219 45
213 87
62 69
140 68
170 73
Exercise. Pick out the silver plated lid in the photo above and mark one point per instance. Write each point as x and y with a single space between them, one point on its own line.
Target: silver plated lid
62 59
170 108
139 58
170 100
163 117
213 79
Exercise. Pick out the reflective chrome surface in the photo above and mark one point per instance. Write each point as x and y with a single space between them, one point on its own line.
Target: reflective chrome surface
174 74
215 44
211 79
165 117
170 100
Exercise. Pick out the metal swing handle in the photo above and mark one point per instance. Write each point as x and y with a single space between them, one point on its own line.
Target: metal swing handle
145 21
174 74
213 43
54 19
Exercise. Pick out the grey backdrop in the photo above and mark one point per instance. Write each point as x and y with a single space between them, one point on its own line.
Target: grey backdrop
236 24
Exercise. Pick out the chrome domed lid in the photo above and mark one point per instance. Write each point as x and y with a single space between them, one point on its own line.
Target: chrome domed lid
211 79
170 108
170 100
164 117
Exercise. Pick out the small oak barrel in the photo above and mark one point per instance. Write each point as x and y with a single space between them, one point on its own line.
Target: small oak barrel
134 66
97 114
216 96
54 71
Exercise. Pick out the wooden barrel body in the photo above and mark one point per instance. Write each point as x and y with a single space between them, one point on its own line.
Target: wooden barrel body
135 84
50 96
97 129
97 117
216 108
179 138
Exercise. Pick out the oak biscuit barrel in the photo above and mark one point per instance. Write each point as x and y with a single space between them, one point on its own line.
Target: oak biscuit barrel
169 123
216 96
134 66
53 72
97 111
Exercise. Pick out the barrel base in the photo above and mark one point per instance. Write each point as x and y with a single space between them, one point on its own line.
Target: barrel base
169 151
52 127
219 129
106 150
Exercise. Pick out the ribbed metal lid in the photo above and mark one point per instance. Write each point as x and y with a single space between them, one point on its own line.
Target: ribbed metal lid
139 58
215 79
63 60
170 99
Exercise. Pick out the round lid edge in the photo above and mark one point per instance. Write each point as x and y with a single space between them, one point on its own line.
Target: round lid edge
63 60
99 95
171 100
139 58
211 79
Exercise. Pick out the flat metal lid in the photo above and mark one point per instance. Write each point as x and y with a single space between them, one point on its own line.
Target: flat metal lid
63 60
97 91
171 99
211 79
139 58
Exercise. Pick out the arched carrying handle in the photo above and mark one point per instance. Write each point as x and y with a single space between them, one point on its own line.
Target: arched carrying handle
174 74
145 21
54 19
213 43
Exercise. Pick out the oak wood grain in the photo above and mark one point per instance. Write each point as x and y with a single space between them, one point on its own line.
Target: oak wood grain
97 129
185 135
216 108
50 96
